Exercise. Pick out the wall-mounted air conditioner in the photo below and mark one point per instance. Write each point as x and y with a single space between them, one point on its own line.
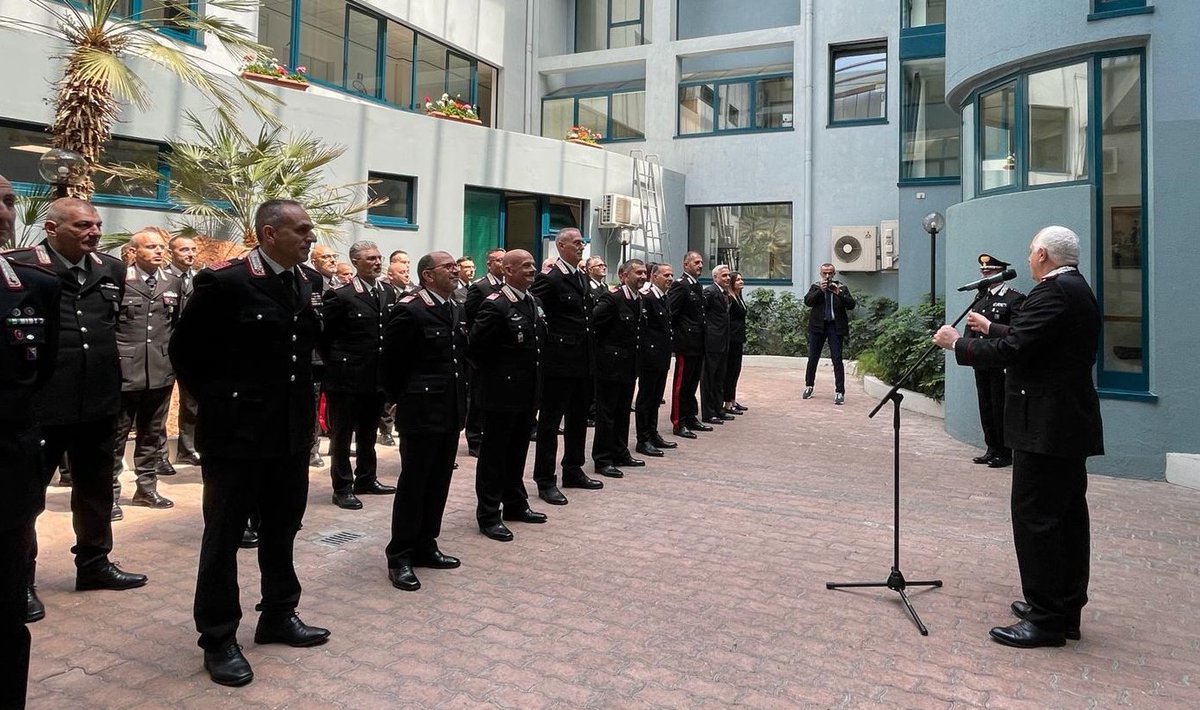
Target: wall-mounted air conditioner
854 248
620 211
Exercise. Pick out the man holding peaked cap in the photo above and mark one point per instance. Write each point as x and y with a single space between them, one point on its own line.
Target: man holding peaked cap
997 306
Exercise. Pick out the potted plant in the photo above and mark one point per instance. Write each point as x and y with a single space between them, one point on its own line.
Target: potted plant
453 109
584 136
272 71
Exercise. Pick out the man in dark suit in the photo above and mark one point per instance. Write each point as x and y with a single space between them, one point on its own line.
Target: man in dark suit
29 304
685 300
149 310
997 306
1052 422
716 347
354 316
424 360
617 326
78 407
828 322
654 360
183 267
481 289
562 291
506 347
466 276
244 346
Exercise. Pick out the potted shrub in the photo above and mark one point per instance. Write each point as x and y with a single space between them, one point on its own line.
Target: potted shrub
452 109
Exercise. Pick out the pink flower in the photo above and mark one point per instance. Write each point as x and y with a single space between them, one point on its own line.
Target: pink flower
301 70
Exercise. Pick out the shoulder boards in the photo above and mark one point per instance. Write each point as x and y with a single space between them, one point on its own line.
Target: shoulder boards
492 297
426 297
547 268
257 268
407 299
96 258
43 256
223 264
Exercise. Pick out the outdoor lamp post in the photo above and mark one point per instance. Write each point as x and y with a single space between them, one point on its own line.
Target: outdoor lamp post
62 168
933 223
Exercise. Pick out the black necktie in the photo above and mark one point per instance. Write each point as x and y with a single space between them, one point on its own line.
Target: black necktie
79 273
289 284
151 282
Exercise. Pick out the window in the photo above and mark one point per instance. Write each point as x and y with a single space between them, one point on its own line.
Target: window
741 104
610 24
998 138
754 239
400 192
858 84
929 128
1099 7
923 13
158 13
617 114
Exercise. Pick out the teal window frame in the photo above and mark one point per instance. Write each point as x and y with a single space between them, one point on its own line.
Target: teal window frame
136 8
388 221
1105 9
908 29
607 133
752 111
921 42
610 25
852 49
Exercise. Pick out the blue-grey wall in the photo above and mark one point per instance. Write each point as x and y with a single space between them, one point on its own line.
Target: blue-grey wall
915 203
702 18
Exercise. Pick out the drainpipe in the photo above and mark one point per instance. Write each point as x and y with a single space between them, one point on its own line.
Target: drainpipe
529 95
810 131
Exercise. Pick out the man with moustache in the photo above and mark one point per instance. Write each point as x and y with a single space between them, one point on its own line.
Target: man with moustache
183 267
685 300
78 407
354 318
29 305
567 385
617 324
149 310
716 347
481 289
506 347
244 346
424 362
654 360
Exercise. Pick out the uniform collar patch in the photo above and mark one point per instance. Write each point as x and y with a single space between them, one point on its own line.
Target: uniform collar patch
426 297
10 275
43 256
510 293
257 269
96 258
562 266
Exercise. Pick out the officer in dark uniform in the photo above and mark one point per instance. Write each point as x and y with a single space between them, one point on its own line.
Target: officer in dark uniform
506 347
617 325
244 346
685 300
78 407
997 306
654 360
424 364
716 347
354 317
182 266
29 306
149 310
562 291
481 289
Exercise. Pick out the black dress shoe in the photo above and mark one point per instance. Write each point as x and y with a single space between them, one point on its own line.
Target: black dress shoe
164 468
525 515
116 513
1021 610
35 610
726 416
151 499
685 433
107 576
436 560
227 666
552 495
986 458
373 488
740 408
1000 462
347 500
696 425
315 460
631 462
662 443
192 459
733 412
473 452
404 578
385 439
611 472
249 539
1025 634
497 531
581 480
289 629
714 420
648 449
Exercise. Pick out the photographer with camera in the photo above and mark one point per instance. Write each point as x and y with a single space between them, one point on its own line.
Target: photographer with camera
829 300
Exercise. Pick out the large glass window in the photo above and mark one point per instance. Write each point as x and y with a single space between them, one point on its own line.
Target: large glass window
1117 5
740 104
275 27
610 24
400 191
998 137
163 14
617 114
362 52
398 65
754 239
858 83
922 13
1058 125
323 39
929 128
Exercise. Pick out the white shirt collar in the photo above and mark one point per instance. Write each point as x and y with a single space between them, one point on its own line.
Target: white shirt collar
82 263
630 293
657 291
571 268
436 298
275 265
366 284
143 275
690 279
517 291
1059 270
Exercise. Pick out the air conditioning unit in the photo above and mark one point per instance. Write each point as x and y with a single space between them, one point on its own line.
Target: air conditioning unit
854 248
889 244
620 211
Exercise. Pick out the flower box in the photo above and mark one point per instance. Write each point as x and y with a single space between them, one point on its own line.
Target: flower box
449 117
589 144
276 81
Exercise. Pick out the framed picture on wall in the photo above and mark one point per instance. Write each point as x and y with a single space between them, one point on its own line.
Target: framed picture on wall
1126 230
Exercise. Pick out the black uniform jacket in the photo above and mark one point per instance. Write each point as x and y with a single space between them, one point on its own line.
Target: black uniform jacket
997 307
476 292
424 355
243 347
507 346
352 341
716 319
842 302
144 328
685 299
737 320
617 325
1049 348
656 345
567 301
86 384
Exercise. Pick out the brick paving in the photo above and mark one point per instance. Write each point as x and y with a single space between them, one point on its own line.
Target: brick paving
697 581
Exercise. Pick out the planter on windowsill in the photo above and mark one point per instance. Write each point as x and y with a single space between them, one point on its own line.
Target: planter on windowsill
448 117
276 81
576 141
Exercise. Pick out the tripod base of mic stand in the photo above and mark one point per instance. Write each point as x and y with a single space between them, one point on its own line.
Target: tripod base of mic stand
896 583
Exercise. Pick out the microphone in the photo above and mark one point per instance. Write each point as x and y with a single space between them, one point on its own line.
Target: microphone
985 282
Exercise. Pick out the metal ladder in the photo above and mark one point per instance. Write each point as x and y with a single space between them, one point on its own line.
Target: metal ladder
647 241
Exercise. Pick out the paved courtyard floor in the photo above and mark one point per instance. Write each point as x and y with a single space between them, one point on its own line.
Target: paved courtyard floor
698 581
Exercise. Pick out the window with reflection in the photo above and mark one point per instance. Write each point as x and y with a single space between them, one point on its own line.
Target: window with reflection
362 52
398 65
997 138
616 111
858 83
610 24
1058 125
930 145
323 39
400 192
922 13
755 239
275 27
735 104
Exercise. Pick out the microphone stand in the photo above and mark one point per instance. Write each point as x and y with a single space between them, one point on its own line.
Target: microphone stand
895 580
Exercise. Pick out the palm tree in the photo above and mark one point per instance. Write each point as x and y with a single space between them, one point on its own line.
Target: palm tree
98 75
221 177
